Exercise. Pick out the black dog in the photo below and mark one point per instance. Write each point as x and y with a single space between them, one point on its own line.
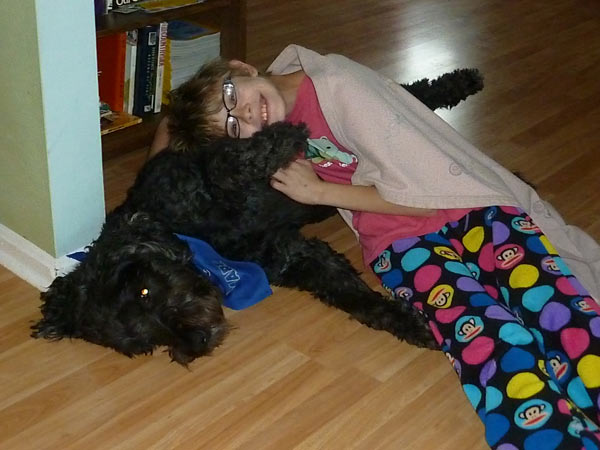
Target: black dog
135 290
138 289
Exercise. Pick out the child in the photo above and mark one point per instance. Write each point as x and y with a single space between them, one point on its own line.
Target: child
443 227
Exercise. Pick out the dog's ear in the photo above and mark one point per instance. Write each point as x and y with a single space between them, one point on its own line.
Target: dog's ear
69 311
60 306
113 280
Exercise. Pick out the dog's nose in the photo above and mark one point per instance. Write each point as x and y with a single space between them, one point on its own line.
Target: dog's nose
197 336
197 340
201 337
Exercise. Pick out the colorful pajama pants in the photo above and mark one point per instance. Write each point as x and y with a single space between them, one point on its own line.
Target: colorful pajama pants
521 332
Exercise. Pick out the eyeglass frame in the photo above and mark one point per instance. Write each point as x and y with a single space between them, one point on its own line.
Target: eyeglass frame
227 90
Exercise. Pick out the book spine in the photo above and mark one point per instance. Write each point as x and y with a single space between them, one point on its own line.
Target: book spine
168 73
160 65
110 51
130 65
146 69
99 7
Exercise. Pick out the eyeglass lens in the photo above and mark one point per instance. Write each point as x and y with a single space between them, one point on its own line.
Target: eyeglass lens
232 125
229 95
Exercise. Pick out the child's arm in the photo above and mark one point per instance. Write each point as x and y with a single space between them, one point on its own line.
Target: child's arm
161 138
299 182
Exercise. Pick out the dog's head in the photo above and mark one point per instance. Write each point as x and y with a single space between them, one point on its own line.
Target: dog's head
137 290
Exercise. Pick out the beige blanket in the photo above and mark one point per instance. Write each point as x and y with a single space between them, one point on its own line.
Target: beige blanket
414 158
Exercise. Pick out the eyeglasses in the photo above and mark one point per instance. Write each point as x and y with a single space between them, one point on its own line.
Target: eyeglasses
232 124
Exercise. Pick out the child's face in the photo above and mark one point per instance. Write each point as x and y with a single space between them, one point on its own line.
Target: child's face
258 103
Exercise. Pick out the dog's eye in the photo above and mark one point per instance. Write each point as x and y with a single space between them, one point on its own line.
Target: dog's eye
144 294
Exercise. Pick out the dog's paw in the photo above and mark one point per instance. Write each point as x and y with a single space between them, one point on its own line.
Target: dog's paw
398 318
279 144
420 335
410 325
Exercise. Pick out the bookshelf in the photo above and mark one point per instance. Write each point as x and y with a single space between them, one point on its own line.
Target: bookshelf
229 16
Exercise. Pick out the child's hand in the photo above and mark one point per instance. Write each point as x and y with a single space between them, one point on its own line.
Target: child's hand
299 182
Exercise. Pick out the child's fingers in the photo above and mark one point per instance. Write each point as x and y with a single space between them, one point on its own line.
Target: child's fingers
277 176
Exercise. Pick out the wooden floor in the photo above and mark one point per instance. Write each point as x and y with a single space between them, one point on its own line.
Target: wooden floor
295 374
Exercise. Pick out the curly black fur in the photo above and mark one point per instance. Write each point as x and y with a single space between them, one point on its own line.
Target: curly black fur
242 217
137 289
448 90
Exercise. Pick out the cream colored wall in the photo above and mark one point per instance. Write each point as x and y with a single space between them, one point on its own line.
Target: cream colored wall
24 183
51 187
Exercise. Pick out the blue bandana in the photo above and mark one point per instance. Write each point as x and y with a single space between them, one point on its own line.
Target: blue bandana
243 283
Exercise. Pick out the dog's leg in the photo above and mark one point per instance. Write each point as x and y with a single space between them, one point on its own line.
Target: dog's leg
447 90
311 265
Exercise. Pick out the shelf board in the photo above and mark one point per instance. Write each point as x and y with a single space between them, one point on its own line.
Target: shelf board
114 22
118 121
131 138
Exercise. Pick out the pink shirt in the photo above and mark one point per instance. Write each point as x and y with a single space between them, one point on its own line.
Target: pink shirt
376 231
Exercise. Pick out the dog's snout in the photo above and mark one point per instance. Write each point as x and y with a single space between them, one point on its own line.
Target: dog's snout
195 342
196 338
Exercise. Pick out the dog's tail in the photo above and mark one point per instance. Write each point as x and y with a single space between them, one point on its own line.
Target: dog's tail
448 90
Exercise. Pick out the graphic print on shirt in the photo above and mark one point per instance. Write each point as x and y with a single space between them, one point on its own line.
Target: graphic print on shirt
323 152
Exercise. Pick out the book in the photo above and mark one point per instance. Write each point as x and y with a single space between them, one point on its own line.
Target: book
167 73
184 30
147 54
154 6
110 52
188 56
117 121
130 65
160 65
189 46
116 4
99 7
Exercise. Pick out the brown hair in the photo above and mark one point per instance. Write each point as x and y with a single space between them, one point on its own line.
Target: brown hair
191 104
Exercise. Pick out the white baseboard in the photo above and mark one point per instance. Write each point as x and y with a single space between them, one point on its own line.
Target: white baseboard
29 262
